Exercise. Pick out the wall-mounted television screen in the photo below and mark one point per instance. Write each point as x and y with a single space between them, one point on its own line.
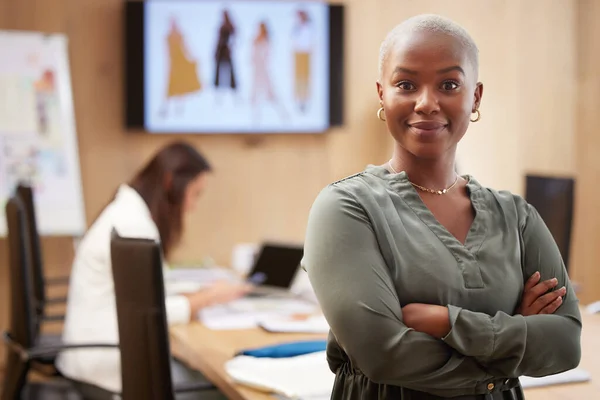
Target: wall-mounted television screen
244 66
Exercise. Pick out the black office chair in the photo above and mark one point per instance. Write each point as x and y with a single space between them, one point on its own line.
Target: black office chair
40 281
24 349
40 300
141 313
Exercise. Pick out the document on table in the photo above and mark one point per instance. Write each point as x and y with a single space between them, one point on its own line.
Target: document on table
301 377
190 280
293 324
200 274
249 313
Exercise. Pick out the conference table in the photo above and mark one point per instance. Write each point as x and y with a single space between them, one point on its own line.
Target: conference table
208 350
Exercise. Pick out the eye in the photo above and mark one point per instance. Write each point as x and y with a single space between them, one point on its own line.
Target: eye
405 85
450 86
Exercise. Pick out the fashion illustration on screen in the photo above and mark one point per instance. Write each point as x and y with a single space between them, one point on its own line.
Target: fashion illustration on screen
262 85
183 76
225 71
303 45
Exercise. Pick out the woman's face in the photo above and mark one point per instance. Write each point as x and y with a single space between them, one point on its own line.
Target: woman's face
428 90
193 191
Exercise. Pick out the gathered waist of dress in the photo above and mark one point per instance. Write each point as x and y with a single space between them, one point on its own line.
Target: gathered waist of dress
351 382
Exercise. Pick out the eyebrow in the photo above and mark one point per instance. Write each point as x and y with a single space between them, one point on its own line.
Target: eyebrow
405 70
453 68
441 71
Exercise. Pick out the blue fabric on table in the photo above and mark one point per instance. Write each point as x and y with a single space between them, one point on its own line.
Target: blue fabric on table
283 350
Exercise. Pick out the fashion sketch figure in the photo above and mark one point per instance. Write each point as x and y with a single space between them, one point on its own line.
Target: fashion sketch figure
224 71
183 74
262 85
45 89
303 43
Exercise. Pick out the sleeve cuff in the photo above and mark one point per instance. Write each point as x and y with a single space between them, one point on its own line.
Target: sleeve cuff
178 310
471 334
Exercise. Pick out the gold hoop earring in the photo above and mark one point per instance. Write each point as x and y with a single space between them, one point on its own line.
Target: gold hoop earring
478 116
379 114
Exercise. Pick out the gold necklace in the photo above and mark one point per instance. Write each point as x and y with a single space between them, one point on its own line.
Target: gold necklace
440 192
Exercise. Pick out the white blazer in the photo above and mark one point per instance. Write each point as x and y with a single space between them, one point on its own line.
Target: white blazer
91 311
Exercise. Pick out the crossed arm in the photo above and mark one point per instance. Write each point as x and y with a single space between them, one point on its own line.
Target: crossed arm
359 301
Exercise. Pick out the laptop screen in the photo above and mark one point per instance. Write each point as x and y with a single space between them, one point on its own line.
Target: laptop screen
276 265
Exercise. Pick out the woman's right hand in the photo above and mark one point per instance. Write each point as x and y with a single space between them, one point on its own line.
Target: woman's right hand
224 291
217 293
539 298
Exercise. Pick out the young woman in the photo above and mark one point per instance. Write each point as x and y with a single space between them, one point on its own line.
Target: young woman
152 205
434 286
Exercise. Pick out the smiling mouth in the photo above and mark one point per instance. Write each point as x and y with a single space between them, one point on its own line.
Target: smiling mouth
428 125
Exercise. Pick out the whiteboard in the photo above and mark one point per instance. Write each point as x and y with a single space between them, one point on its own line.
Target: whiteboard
38 142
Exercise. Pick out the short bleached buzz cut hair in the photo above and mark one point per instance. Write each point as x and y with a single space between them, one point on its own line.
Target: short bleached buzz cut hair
429 23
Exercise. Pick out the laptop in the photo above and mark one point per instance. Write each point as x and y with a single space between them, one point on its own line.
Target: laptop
275 268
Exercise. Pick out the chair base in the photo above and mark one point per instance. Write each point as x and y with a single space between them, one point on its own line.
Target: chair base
53 390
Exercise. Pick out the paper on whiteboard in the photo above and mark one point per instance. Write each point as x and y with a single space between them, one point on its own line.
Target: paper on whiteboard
38 144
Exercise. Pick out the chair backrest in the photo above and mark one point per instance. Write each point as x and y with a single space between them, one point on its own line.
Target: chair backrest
25 193
22 311
22 327
553 198
141 314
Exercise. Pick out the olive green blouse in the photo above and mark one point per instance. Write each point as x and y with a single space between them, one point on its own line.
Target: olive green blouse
373 246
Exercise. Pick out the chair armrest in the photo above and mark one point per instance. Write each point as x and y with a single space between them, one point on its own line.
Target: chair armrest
56 300
192 387
38 352
53 318
58 280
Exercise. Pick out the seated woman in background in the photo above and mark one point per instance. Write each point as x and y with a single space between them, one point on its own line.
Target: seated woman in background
435 286
151 206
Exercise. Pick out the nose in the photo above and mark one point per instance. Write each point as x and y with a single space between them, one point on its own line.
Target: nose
427 102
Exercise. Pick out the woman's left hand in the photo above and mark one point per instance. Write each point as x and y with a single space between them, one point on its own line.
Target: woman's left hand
427 318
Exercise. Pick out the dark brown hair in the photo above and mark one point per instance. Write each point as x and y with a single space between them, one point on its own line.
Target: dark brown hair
162 184
227 22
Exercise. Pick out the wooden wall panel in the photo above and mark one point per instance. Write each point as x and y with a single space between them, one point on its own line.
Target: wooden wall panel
586 249
547 91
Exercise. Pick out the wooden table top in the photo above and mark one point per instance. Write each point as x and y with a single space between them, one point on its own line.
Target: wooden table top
208 350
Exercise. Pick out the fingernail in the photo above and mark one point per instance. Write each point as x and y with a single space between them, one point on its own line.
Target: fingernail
537 273
554 280
563 289
559 300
